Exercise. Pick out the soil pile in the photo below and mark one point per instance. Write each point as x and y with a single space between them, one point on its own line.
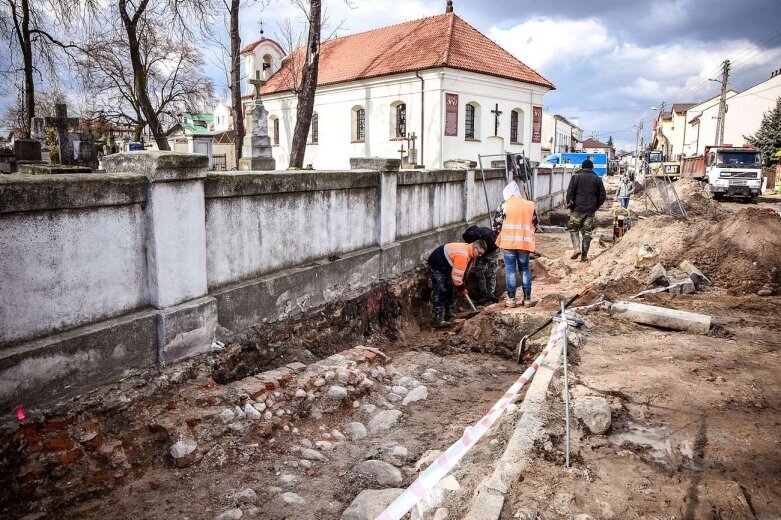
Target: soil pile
740 252
693 194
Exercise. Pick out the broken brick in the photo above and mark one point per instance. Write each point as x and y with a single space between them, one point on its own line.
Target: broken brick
70 457
285 380
55 425
34 473
58 443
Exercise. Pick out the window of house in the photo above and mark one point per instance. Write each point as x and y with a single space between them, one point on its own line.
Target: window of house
516 126
472 121
314 130
358 124
469 121
399 120
275 131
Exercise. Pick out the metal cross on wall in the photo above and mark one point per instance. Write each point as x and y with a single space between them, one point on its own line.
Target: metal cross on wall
496 112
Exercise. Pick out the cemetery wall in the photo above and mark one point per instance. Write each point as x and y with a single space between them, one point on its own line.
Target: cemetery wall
109 272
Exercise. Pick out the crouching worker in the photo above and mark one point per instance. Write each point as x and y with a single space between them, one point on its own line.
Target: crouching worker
448 265
519 220
485 265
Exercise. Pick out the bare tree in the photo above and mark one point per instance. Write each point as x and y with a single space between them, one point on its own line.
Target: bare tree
181 16
25 26
172 70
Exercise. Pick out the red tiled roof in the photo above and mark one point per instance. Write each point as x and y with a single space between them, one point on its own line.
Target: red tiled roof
444 40
251 46
593 143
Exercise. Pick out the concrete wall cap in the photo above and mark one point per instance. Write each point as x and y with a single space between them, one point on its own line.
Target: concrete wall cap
378 164
20 193
159 166
411 177
244 184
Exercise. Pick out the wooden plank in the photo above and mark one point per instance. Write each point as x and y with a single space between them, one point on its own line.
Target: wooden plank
661 317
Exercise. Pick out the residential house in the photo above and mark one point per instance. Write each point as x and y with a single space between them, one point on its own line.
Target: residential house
692 133
556 133
427 91
591 145
745 111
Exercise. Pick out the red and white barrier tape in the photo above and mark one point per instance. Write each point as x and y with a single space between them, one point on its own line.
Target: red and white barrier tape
445 462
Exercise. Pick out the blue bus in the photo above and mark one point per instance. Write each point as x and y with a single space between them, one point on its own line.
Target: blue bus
576 158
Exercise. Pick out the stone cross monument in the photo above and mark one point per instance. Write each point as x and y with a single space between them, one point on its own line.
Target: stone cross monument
256 152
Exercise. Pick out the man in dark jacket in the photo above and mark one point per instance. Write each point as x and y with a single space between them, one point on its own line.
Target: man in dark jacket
585 194
485 265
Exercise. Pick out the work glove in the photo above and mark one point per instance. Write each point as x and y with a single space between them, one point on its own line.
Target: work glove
463 292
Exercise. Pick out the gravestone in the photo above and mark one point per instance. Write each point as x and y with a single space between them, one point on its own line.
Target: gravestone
84 150
27 150
7 161
256 152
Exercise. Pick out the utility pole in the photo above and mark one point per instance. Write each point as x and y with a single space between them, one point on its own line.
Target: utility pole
638 147
722 103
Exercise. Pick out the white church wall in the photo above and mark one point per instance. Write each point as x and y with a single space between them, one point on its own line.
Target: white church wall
335 108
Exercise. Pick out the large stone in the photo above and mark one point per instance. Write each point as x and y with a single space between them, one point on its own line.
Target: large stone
378 471
336 393
292 499
594 412
230 514
246 496
356 431
184 452
418 393
310 454
384 421
370 503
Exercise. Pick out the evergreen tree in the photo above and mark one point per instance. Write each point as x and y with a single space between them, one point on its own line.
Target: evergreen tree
768 138
610 141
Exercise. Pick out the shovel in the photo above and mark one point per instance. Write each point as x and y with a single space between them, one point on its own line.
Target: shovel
469 314
522 348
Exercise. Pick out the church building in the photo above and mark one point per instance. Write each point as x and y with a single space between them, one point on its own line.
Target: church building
426 91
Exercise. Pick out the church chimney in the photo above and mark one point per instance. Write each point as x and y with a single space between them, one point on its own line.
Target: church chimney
449 8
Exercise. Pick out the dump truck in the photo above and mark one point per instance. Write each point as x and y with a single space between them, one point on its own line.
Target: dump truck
729 171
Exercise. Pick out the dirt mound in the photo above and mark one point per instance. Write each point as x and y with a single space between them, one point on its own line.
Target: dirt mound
693 194
739 251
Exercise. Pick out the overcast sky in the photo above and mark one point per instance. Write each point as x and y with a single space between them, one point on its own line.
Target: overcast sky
611 60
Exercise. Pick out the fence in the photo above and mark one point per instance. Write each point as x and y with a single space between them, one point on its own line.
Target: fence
550 186
219 162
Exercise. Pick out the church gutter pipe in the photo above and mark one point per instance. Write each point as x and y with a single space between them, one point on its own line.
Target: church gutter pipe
422 113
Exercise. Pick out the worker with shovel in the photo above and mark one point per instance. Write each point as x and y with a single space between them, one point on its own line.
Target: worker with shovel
485 265
516 238
448 265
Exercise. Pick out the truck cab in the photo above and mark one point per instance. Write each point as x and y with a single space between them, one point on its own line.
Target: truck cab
733 172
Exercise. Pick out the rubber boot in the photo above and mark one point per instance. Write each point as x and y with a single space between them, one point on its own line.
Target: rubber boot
449 314
584 249
527 299
575 237
439 322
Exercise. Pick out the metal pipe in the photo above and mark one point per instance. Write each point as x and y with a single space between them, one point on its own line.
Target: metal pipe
485 191
566 382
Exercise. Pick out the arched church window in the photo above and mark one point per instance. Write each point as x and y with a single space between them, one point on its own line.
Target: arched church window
314 131
358 124
472 121
516 126
398 119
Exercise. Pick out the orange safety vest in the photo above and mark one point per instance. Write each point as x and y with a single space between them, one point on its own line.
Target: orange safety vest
518 227
458 255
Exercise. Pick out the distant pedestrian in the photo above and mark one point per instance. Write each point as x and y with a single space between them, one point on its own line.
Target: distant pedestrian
485 265
516 238
585 194
625 190
448 265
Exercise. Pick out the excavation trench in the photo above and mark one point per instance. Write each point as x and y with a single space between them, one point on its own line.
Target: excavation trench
82 459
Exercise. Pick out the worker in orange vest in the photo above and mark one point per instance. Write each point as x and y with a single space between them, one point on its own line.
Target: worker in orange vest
448 265
516 238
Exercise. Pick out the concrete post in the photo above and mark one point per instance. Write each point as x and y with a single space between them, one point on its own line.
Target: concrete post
175 248
472 184
386 215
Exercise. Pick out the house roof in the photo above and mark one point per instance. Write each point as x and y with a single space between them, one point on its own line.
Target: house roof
444 40
251 46
679 108
593 143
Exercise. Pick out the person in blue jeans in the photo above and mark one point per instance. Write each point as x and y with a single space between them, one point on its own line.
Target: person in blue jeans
624 190
516 238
